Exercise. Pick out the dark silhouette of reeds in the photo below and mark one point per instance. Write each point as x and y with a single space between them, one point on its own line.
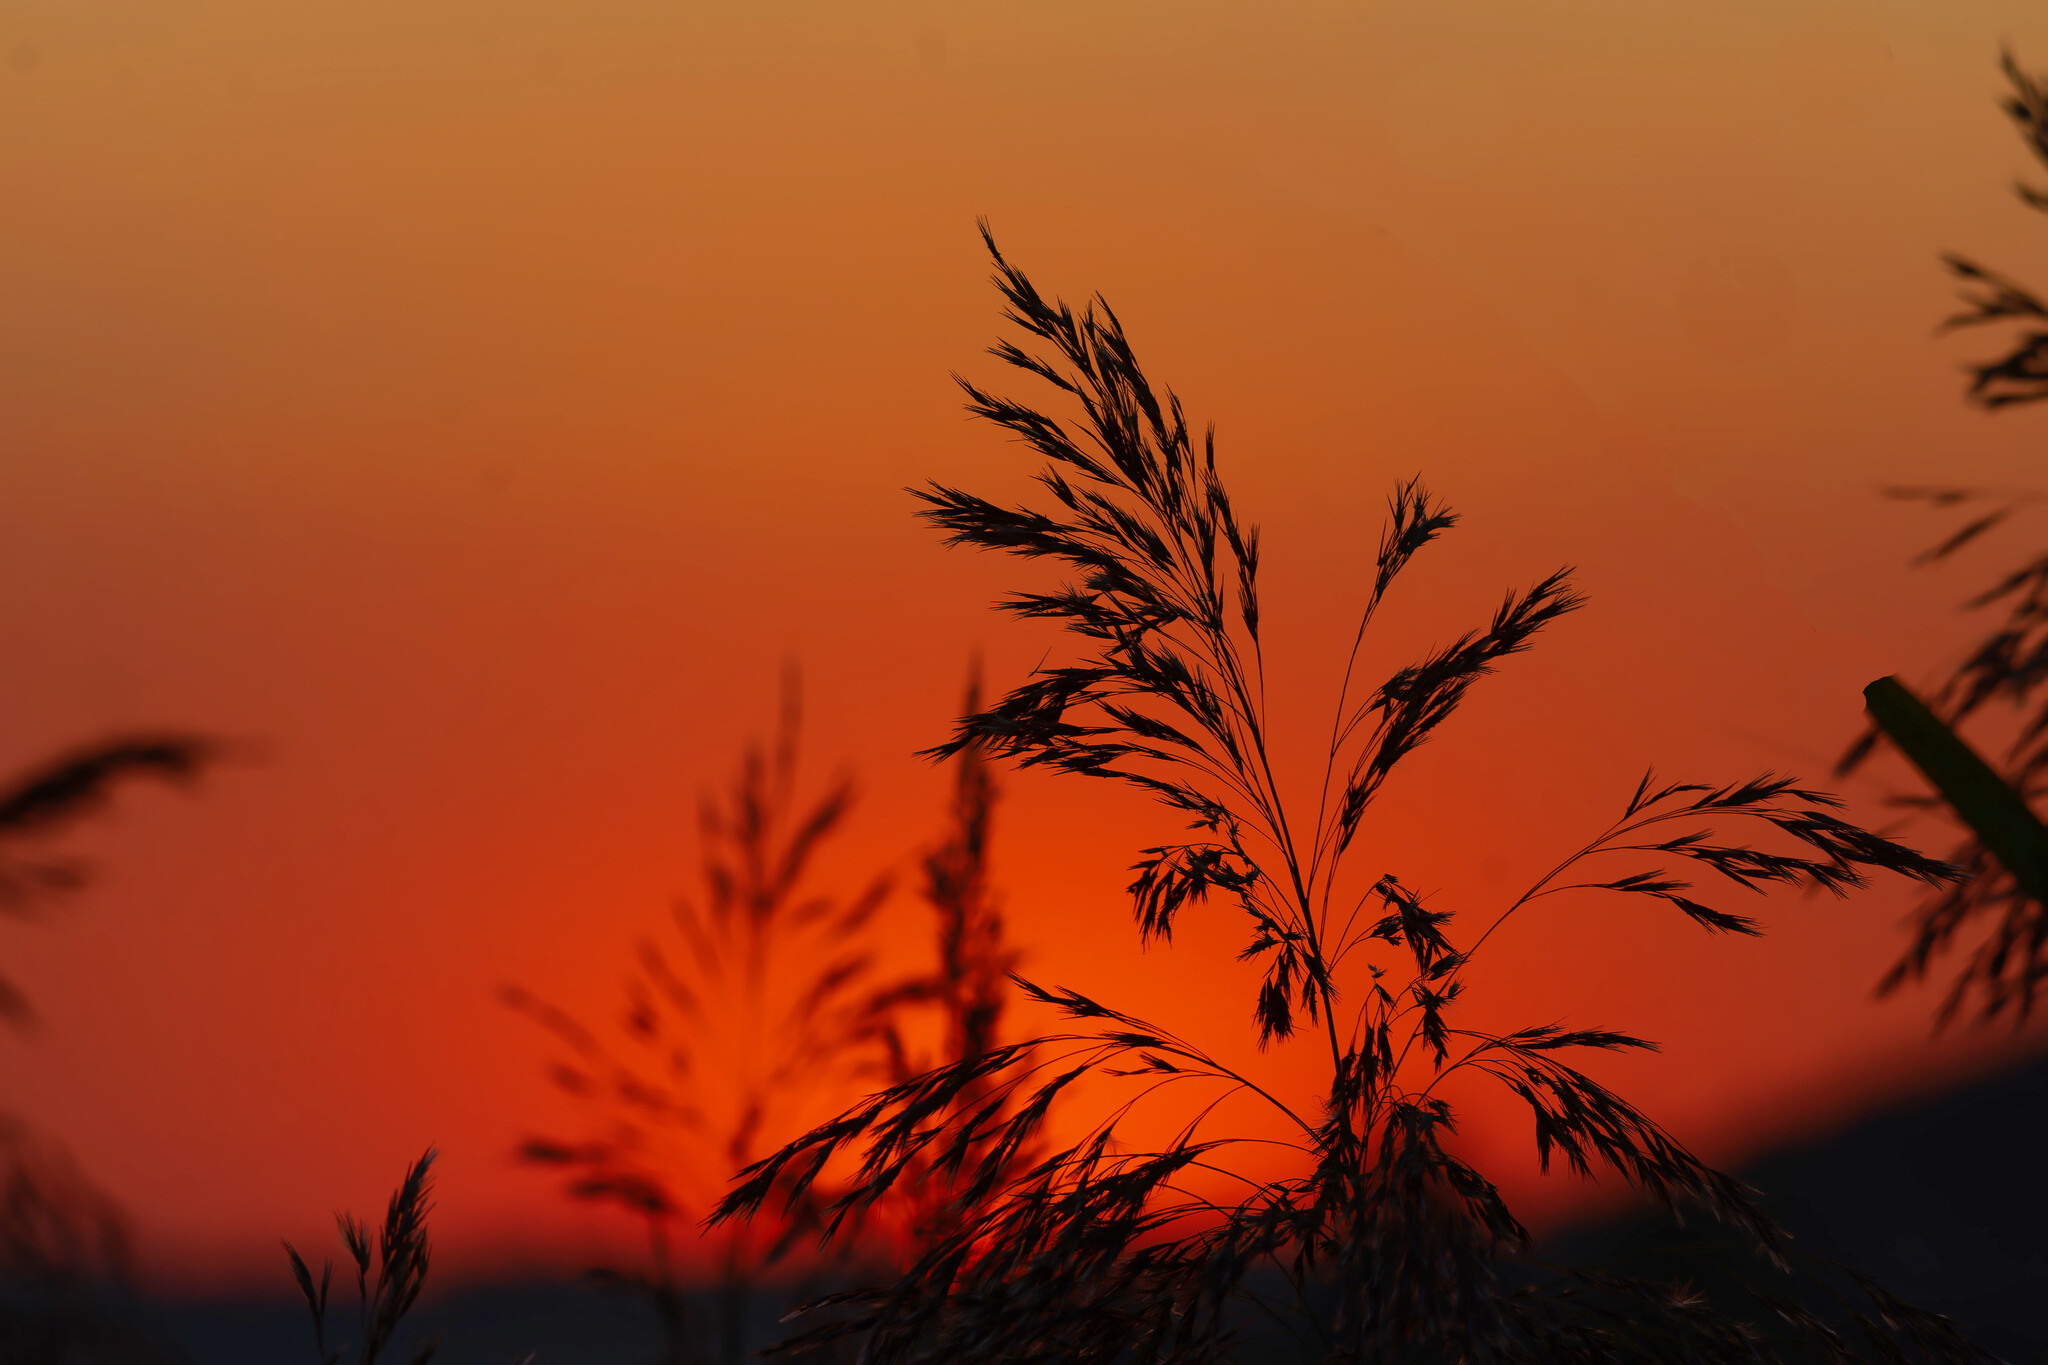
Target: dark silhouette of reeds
63 1240
730 996
969 986
970 983
2021 374
54 795
400 1254
1386 1246
2007 970
57 1231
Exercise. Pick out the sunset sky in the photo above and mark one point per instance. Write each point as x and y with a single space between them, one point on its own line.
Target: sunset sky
468 406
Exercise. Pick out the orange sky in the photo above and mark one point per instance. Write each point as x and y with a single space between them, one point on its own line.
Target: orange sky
472 403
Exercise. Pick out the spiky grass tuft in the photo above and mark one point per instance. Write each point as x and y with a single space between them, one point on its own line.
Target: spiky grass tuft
386 1294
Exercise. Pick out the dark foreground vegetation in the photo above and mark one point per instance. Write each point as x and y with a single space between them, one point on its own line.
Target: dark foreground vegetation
1930 1197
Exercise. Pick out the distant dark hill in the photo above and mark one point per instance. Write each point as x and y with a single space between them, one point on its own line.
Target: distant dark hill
1944 1201
562 1324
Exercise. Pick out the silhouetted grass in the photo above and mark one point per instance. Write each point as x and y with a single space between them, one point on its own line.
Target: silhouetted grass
1386 1246
969 985
63 1240
2005 973
56 794
775 981
383 1297
57 1230
661 1154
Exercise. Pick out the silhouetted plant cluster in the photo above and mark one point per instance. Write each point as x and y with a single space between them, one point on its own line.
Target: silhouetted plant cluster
400 1253
1386 1245
2005 972
773 999
969 988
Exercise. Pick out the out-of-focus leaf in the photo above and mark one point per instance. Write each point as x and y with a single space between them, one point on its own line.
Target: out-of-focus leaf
1977 794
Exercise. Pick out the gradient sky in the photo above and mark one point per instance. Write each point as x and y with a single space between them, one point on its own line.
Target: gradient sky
471 404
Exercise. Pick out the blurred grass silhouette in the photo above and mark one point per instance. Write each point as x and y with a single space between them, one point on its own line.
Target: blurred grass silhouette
1994 812
1386 1246
64 1241
2005 972
970 987
773 1001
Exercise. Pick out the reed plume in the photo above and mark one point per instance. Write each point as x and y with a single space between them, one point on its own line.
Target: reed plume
1385 1245
778 981
399 1252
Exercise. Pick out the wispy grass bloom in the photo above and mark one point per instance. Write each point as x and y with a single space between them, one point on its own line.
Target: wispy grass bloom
1385 1245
